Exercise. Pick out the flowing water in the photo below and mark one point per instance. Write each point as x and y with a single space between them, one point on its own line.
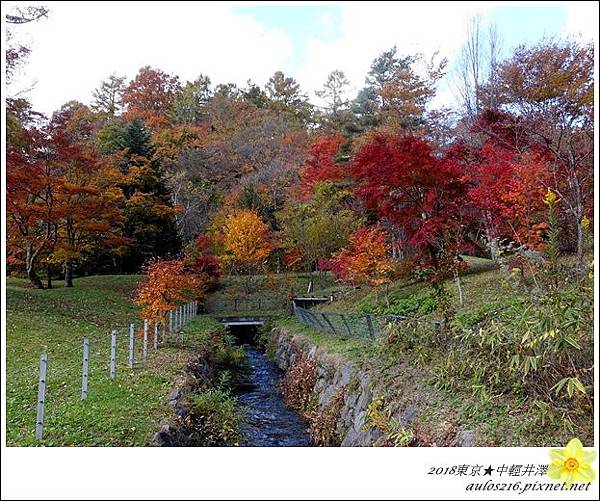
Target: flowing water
268 422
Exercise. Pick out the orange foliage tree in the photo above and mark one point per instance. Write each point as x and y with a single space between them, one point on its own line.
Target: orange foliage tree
166 286
366 259
246 241
522 201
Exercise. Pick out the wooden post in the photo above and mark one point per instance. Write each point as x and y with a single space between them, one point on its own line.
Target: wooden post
163 329
155 336
85 368
131 358
370 326
113 353
41 401
170 322
145 344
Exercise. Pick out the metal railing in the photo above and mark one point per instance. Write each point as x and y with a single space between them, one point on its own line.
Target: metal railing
244 304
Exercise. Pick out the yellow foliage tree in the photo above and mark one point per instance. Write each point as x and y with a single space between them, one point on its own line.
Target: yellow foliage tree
247 242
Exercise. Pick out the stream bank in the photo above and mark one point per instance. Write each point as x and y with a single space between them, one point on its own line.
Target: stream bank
230 395
347 405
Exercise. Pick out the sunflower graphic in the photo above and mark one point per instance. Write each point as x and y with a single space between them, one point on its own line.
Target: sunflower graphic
572 464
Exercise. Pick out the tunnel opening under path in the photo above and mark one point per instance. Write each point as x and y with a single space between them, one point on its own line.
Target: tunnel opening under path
244 333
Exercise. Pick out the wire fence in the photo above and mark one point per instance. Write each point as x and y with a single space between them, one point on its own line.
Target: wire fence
354 325
76 372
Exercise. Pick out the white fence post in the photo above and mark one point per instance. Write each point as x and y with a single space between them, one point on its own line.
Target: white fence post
41 401
85 368
155 335
113 353
162 323
131 359
145 345
170 322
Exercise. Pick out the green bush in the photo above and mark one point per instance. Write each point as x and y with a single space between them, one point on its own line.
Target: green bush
263 335
215 419
418 305
540 346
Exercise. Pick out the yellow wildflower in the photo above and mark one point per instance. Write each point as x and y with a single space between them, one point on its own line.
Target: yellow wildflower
572 464
585 222
550 198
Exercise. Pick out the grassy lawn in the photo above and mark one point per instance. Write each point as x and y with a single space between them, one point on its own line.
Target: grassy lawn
481 282
120 412
267 294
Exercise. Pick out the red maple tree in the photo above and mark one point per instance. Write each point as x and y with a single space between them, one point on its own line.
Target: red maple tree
402 180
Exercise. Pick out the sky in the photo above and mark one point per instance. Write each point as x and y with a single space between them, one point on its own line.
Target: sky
80 44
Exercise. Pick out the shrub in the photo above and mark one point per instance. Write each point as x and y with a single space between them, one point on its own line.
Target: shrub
418 305
323 426
215 419
299 381
395 435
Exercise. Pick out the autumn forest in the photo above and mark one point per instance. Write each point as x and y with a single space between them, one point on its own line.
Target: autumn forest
194 184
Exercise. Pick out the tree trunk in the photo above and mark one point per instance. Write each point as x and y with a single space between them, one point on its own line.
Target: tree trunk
49 277
34 279
579 246
492 239
68 274
30 267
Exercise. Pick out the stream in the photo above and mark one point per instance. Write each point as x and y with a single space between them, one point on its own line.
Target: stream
268 421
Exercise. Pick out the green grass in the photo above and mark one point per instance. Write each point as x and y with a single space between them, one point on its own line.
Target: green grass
481 282
120 412
407 378
271 292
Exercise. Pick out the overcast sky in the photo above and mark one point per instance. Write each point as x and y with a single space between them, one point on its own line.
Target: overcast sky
81 44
